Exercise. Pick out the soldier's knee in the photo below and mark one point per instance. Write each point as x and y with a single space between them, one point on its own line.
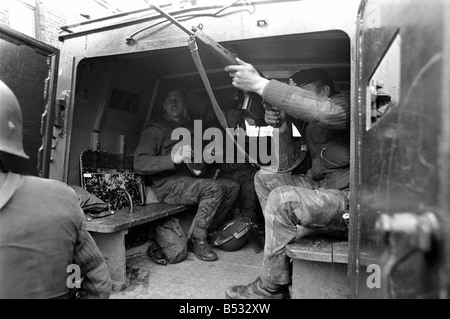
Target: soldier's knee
216 190
262 177
235 187
258 179
230 189
273 201
277 198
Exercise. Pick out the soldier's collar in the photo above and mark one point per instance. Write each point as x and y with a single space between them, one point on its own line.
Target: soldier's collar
168 119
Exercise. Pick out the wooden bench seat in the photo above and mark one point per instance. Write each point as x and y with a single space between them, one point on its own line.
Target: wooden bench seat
319 268
109 234
123 220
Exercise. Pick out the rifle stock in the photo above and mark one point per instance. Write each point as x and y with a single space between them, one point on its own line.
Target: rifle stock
252 104
218 51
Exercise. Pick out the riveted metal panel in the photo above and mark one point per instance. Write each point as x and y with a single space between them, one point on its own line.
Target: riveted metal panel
399 158
29 68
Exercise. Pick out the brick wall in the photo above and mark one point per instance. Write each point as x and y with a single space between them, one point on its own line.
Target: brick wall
4 17
50 17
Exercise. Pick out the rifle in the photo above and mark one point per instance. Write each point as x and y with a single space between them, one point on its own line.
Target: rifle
252 104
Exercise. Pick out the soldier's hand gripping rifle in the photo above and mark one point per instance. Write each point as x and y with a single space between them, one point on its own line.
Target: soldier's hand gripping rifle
252 100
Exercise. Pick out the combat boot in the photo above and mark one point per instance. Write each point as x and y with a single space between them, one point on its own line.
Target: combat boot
203 250
256 290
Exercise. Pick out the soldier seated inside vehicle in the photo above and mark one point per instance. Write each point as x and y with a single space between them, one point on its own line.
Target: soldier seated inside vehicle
171 179
244 173
315 200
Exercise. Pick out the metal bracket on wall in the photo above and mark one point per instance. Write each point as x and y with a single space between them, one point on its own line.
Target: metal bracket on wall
106 98
152 102
61 106
59 122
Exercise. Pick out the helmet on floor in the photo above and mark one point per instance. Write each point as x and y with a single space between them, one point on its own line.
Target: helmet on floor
231 236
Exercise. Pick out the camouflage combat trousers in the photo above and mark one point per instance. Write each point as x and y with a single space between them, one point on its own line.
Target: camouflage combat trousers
249 204
291 200
212 196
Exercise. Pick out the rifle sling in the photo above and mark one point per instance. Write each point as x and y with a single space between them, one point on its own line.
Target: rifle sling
217 110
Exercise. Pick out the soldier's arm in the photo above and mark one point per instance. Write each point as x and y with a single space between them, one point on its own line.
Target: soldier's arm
333 113
147 160
96 282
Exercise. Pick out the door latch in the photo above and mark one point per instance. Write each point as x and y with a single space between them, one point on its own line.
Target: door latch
61 106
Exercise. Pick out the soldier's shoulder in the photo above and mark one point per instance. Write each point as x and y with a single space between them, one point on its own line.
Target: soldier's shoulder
46 182
156 124
49 185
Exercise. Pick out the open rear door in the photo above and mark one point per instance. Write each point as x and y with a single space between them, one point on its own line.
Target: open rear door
401 228
29 68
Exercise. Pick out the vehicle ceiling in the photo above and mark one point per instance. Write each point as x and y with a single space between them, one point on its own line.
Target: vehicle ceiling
274 57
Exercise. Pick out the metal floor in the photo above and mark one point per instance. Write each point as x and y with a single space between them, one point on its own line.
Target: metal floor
192 278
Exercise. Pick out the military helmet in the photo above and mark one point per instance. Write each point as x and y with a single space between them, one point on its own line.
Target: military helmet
10 123
231 236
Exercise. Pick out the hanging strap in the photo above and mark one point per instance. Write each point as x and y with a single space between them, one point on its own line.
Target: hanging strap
201 70
218 111
9 188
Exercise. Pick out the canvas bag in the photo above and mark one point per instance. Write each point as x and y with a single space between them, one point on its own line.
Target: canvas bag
172 239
